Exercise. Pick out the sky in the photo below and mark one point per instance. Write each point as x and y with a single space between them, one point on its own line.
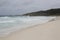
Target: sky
18 7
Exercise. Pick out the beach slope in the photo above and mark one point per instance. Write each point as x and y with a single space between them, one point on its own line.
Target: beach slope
47 31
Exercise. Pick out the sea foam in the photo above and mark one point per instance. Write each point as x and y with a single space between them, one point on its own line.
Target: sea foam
11 24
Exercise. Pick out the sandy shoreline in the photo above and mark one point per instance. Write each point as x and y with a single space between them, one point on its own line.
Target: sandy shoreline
47 31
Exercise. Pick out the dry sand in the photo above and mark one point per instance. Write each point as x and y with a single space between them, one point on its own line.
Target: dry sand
48 31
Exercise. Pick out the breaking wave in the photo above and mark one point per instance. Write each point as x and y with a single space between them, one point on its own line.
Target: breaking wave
11 24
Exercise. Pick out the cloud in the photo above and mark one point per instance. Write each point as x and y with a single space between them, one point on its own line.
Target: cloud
14 7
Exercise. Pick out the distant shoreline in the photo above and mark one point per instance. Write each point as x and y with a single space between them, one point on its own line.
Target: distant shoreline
50 12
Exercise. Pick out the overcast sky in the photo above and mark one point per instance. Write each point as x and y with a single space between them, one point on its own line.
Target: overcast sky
8 7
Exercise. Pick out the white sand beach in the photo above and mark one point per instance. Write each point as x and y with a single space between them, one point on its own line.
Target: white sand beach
47 31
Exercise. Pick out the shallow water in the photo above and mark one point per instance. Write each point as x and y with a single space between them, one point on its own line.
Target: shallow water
11 24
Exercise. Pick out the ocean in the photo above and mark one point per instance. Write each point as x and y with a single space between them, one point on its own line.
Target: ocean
11 24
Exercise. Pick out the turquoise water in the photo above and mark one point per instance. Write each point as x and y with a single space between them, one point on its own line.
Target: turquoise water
11 24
